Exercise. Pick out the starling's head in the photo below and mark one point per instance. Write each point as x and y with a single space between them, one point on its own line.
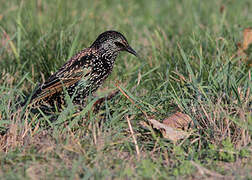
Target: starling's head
113 41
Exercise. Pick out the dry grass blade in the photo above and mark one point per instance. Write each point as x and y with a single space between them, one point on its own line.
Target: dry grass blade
133 135
131 100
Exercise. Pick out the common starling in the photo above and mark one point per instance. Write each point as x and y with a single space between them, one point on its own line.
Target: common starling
81 75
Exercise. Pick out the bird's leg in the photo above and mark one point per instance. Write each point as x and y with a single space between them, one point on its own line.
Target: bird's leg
98 103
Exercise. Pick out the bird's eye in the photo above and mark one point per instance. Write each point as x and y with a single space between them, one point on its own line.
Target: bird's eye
118 44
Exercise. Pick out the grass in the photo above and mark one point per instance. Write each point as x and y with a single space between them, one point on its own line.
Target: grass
188 63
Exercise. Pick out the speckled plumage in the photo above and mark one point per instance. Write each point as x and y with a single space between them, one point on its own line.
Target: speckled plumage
82 74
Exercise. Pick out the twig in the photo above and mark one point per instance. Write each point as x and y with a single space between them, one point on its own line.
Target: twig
133 136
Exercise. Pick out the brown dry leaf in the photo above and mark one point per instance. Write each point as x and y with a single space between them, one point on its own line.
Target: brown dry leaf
247 38
247 41
179 120
168 132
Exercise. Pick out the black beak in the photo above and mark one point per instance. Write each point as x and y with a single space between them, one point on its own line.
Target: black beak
132 51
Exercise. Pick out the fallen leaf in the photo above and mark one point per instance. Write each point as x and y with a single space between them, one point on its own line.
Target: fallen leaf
168 132
245 45
179 120
247 38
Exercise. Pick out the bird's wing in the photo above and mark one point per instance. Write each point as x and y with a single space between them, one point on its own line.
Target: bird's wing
68 75
57 84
